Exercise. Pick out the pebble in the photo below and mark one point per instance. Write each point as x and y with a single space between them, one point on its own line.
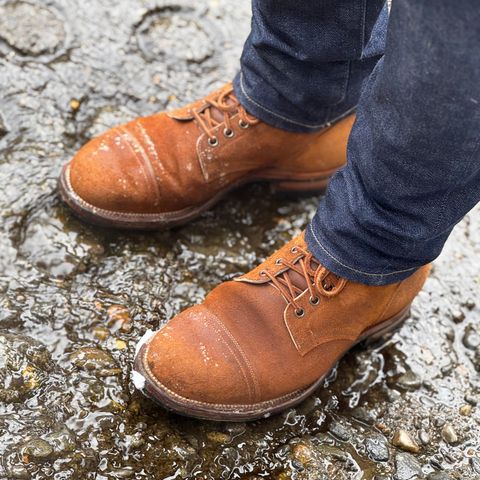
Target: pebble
438 476
377 448
363 415
409 381
119 316
471 399
449 434
407 467
402 439
36 449
466 410
303 453
458 316
424 437
218 437
339 431
89 358
471 338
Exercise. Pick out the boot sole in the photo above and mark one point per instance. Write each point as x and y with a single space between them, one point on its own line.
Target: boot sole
239 413
161 221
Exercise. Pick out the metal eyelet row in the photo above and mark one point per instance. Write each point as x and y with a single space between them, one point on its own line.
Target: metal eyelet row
227 133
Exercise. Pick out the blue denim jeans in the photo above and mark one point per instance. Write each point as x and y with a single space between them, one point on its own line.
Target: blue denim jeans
413 167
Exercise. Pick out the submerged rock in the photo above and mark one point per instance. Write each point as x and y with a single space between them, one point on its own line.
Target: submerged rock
24 364
407 467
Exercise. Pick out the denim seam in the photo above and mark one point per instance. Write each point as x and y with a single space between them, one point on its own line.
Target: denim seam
353 269
323 125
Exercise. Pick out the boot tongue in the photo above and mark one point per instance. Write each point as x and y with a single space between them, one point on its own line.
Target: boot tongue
297 279
217 114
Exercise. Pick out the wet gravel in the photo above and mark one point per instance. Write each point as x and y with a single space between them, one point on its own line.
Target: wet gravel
75 299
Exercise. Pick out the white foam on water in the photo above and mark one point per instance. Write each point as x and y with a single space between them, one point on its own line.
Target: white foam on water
146 337
138 380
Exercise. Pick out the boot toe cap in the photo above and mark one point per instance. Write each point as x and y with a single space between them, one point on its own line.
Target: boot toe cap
193 360
108 174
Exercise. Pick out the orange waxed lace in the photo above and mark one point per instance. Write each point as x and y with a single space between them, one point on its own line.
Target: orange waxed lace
228 104
303 266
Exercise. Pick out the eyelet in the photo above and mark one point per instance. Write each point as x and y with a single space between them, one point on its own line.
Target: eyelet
243 124
327 288
228 133
294 250
278 261
263 273
300 313
213 142
314 300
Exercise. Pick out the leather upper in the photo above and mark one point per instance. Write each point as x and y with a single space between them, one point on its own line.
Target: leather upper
168 162
246 343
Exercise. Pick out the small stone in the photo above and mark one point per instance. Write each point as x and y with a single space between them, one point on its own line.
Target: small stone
89 358
407 467
458 316
402 440
470 303
303 453
449 434
101 333
471 399
120 344
377 448
471 338
75 105
466 410
36 449
339 431
363 415
218 437
409 381
438 476
424 437
119 317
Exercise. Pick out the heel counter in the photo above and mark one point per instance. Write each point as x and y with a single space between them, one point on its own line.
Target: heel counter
327 151
407 290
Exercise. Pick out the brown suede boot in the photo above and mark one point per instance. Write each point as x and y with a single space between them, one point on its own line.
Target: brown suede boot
267 340
163 170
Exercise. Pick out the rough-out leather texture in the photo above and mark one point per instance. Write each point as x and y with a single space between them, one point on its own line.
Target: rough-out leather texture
244 344
164 163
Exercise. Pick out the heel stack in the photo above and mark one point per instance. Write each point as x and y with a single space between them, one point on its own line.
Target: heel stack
302 187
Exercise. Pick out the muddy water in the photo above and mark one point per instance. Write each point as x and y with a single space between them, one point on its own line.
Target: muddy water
75 299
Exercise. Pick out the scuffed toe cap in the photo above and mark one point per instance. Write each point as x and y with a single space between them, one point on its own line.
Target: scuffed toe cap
112 173
195 357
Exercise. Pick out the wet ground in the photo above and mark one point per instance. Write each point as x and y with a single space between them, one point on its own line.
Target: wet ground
75 299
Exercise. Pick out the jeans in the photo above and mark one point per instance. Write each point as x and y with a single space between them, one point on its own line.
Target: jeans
413 159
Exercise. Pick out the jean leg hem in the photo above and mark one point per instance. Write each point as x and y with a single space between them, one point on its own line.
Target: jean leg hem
326 255
270 117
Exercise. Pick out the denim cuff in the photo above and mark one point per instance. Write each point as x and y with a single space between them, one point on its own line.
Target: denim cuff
268 115
348 268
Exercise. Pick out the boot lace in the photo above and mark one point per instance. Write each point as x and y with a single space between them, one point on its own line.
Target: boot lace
327 285
227 105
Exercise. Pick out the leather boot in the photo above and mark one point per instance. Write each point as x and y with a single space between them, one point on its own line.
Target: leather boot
164 170
267 340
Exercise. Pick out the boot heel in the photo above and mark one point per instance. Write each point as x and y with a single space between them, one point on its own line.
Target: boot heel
387 328
302 187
